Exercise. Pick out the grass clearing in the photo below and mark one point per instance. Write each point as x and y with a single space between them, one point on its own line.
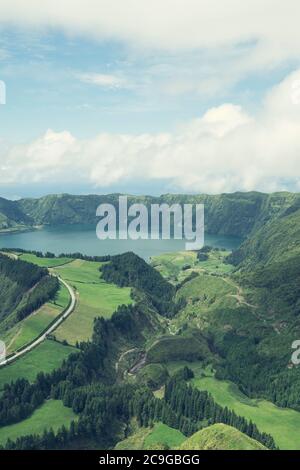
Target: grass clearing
44 262
164 435
176 267
160 436
282 423
95 298
52 414
46 357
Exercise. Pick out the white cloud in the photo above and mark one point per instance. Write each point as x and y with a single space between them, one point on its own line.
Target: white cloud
103 80
224 150
206 46
171 24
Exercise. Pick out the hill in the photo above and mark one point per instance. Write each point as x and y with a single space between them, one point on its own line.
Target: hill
276 241
12 217
220 437
268 276
236 214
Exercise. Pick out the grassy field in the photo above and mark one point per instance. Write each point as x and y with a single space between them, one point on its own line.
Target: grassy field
44 262
174 266
177 266
95 298
215 263
31 327
163 434
46 357
52 414
206 288
282 424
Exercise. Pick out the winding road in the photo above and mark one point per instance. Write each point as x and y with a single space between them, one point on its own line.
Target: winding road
50 330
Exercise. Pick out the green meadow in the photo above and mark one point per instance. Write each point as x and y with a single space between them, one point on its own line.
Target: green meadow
44 262
174 266
95 298
46 357
52 414
165 436
178 266
282 423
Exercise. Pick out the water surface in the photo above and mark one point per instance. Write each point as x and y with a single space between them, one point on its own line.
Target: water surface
82 238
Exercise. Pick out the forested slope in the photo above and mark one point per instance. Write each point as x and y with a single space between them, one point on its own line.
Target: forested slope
236 214
24 287
268 272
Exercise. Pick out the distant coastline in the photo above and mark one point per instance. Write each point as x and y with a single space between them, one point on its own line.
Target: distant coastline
21 229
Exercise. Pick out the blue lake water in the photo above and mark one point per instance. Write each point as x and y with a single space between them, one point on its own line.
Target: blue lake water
83 239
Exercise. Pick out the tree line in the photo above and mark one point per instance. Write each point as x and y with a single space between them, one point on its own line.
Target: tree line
104 410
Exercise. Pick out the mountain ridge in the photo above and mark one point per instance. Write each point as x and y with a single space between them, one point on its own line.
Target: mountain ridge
235 214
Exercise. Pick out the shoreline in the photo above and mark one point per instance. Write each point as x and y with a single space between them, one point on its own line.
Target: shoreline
13 230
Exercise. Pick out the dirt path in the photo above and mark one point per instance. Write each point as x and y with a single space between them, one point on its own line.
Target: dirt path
124 354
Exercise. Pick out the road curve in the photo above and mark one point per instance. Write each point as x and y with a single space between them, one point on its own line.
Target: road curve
50 330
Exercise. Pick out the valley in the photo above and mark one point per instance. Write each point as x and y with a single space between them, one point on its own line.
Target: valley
212 327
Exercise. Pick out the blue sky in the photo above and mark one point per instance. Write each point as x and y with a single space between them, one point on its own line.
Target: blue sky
122 106
45 90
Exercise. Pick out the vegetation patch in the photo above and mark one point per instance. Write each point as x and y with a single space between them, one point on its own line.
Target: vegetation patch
190 347
162 436
46 357
95 298
282 423
44 262
220 437
52 414
159 436
153 375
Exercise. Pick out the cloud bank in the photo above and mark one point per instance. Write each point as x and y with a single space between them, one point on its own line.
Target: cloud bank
169 24
223 150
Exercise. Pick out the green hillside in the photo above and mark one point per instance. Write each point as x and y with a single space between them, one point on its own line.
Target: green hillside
220 437
160 436
95 298
46 357
276 241
108 382
234 214
52 414
24 288
12 216
282 423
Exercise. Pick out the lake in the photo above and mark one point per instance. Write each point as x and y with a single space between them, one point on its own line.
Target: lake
82 238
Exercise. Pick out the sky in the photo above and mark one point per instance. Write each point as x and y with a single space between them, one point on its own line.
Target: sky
132 96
